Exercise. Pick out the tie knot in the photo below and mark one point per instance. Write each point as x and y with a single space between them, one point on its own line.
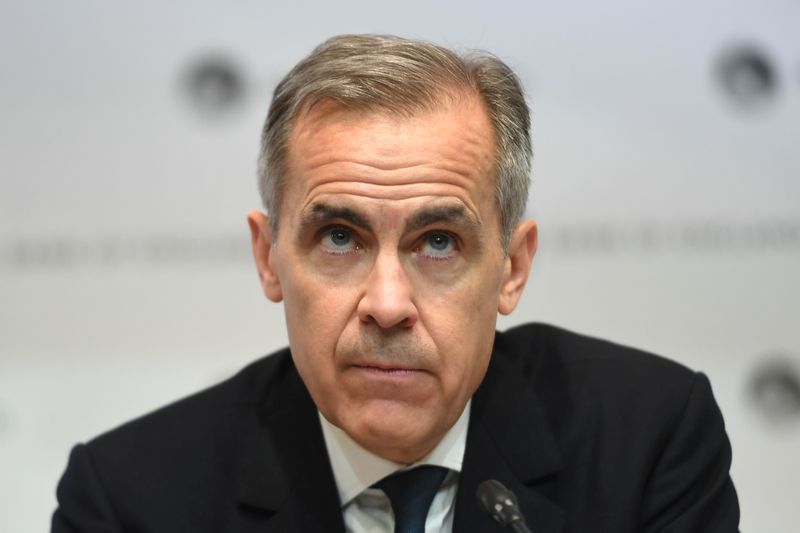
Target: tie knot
411 493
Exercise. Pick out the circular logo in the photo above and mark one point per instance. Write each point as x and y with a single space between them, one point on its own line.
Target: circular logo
214 86
775 388
747 76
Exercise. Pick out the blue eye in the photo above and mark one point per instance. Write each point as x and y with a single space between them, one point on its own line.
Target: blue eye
438 245
439 241
339 241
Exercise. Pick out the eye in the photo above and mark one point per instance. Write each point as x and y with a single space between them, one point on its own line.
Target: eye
437 245
339 240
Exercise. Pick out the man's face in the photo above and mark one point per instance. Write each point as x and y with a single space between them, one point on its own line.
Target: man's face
388 259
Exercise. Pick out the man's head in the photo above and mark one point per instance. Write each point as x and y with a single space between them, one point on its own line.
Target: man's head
389 243
402 77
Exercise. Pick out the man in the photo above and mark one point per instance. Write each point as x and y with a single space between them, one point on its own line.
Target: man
395 176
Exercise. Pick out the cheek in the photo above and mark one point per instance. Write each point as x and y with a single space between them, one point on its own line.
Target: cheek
466 308
462 323
316 316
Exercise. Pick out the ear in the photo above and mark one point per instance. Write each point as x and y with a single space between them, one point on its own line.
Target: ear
261 240
517 265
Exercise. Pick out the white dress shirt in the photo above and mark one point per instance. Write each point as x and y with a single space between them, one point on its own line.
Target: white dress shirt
368 510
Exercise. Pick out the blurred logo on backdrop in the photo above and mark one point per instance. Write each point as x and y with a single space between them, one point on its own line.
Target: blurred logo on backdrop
214 86
747 76
774 389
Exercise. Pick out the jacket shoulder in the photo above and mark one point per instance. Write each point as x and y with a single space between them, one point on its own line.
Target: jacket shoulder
641 433
258 384
545 350
595 389
176 457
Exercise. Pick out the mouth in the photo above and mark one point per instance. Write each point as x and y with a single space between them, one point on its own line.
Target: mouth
389 380
382 368
389 371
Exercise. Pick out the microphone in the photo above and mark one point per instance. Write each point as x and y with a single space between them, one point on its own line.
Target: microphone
501 504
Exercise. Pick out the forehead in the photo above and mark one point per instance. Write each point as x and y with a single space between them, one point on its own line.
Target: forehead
377 157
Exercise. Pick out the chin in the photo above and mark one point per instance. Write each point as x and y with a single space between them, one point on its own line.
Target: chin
400 437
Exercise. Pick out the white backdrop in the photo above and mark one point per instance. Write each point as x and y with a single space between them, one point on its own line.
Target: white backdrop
667 202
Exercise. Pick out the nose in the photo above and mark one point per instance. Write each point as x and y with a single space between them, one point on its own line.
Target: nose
388 297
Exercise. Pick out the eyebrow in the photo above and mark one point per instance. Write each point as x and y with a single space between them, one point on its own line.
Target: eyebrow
449 214
320 213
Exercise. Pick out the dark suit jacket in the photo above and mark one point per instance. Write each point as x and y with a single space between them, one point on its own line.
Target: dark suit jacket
591 436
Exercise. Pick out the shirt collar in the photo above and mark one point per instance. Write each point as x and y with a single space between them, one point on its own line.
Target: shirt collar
356 469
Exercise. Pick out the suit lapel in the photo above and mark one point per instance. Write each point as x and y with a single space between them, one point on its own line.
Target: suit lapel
510 440
285 471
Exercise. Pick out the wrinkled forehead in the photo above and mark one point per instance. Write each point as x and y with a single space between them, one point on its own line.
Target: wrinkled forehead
341 158
455 133
460 113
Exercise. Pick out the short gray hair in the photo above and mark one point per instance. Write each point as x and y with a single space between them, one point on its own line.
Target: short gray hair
391 74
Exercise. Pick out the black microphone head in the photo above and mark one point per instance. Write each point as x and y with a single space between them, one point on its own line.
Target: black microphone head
499 502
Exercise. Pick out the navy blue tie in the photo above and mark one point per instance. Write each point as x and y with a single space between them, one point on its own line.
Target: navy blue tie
411 493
